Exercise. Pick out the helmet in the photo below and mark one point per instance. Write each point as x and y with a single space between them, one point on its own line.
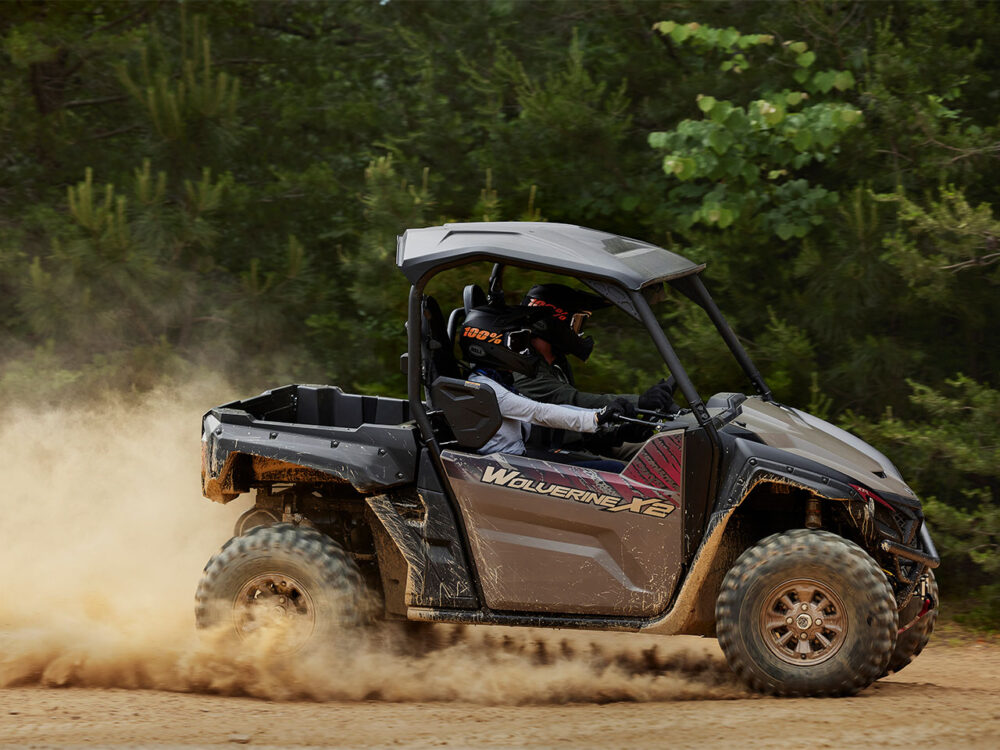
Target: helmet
500 337
568 310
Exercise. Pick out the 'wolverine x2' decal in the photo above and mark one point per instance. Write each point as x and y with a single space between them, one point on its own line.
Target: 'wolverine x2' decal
650 486
515 480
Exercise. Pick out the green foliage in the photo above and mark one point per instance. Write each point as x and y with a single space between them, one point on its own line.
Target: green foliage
199 92
820 403
190 106
365 330
740 164
971 536
103 219
959 438
788 353
930 90
25 48
937 242
558 116
98 285
952 458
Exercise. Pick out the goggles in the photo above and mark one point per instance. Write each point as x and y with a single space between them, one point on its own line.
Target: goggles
577 321
519 341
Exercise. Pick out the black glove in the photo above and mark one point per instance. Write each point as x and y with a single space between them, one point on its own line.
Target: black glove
620 407
660 397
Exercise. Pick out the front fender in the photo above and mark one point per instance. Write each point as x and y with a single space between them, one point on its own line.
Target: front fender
750 463
746 465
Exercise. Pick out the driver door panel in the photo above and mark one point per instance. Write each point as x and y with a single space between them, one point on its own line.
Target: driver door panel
551 537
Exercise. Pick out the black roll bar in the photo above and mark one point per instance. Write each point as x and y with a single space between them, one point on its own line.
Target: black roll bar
674 365
414 366
494 294
414 360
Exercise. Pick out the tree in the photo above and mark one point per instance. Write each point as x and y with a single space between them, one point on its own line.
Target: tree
952 458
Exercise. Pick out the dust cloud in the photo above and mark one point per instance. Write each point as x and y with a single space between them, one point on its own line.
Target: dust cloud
105 536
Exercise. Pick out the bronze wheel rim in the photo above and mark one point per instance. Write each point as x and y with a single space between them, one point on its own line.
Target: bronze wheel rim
803 622
277 601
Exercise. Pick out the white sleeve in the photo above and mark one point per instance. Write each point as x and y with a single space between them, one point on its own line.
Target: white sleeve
558 416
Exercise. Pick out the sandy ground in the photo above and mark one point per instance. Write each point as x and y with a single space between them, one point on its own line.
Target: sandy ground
949 697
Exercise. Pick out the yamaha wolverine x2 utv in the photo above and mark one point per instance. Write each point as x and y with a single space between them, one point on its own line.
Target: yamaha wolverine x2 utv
796 544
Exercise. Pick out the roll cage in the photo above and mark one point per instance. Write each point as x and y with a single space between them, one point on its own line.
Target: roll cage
627 272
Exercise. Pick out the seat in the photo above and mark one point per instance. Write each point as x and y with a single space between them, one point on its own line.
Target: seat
472 296
437 347
470 409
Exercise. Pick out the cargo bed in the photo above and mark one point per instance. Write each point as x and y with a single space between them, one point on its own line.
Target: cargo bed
313 433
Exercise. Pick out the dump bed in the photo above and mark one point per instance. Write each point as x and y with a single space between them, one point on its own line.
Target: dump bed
307 433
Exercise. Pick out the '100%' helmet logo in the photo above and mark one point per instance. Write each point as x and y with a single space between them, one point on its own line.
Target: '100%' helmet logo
481 334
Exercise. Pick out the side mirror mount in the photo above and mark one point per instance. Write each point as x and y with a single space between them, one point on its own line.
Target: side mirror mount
404 363
470 409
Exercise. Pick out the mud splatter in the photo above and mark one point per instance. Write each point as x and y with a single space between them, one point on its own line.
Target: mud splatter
106 534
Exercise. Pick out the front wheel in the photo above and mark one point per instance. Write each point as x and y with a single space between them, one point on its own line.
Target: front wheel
289 584
806 613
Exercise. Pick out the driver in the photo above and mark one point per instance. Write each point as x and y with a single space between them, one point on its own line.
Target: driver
496 342
553 381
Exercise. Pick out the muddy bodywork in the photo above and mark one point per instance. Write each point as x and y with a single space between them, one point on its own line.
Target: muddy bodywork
302 433
778 458
821 461
557 537
535 542
450 535
808 437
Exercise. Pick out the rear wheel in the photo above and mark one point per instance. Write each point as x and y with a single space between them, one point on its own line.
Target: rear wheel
911 641
289 584
806 613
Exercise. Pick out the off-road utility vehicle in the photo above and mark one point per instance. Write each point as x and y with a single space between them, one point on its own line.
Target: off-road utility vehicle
795 543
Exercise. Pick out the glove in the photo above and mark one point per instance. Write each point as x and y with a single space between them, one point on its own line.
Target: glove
620 407
660 397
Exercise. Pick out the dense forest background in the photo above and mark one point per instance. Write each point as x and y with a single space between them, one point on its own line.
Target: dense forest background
192 186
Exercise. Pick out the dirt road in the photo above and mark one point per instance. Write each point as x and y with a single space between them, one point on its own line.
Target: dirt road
949 697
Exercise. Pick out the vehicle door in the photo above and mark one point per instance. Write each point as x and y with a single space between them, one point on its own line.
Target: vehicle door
553 537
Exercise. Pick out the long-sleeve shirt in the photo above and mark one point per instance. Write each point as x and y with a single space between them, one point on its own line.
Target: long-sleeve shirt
553 384
519 413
